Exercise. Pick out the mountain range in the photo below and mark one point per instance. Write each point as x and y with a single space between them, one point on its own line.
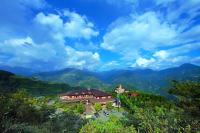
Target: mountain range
140 79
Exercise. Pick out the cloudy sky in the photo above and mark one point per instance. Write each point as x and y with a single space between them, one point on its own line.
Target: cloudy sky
99 34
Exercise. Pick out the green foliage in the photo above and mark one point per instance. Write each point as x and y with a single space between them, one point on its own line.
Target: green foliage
109 105
97 107
80 108
113 125
65 122
22 127
155 120
20 112
153 113
6 84
144 100
20 105
188 93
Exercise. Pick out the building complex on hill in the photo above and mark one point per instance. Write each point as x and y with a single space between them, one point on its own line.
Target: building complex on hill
88 96
95 95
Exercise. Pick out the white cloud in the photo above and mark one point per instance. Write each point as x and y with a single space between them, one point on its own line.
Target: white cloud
143 62
176 13
158 63
81 59
76 26
146 39
175 56
146 31
112 63
19 41
27 48
191 35
179 59
42 41
162 54
177 51
168 38
46 56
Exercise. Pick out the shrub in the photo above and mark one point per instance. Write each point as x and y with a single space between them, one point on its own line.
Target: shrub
97 107
109 105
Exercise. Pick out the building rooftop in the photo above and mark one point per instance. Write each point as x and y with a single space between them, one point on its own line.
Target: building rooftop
134 94
93 92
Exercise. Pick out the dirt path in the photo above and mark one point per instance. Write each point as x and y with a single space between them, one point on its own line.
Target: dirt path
89 108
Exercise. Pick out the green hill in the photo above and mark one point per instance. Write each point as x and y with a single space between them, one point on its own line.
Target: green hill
10 82
73 77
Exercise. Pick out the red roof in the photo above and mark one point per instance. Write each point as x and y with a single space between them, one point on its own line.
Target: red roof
134 94
94 92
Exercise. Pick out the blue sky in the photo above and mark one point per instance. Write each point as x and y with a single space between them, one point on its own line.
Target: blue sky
99 34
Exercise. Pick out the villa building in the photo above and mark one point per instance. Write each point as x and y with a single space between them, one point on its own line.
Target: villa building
119 89
88 96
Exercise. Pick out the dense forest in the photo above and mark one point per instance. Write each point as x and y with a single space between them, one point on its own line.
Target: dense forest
32 106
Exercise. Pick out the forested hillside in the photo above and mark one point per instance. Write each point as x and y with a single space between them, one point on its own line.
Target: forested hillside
10 82
74 77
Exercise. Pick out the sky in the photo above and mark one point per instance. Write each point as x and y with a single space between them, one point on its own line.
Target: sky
99 35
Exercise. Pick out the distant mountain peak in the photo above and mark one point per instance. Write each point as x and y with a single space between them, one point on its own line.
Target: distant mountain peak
188 65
